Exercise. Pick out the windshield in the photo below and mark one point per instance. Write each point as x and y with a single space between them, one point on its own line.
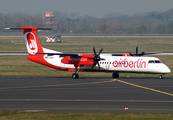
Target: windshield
154 61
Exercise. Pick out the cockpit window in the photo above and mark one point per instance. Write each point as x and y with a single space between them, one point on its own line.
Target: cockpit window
157 61
154 61
151 61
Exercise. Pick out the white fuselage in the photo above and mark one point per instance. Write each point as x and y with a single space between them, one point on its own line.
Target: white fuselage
116 64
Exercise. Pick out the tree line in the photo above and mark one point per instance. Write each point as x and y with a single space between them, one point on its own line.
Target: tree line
148 23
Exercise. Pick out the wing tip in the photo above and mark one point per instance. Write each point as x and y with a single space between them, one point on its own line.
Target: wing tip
6 28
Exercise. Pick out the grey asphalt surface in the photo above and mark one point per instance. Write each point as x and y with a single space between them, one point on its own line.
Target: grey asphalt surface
86 95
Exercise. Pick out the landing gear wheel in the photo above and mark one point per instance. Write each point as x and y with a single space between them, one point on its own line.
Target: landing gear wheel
75 75
161 77
115 75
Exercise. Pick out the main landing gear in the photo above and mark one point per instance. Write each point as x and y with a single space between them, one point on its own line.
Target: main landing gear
75 75
115 75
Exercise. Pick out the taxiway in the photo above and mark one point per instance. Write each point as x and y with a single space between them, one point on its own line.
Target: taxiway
86 95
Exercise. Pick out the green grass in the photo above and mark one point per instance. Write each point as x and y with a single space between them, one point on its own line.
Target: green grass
85 44
21 66
83 116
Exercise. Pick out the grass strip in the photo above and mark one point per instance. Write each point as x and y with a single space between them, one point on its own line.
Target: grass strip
84 116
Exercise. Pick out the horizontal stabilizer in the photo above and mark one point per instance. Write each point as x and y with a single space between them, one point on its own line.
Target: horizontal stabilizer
28 28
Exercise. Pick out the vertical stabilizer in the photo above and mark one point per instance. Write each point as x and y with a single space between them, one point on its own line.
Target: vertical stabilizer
33 43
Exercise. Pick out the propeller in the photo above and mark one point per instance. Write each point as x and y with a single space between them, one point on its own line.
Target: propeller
137 54
96 58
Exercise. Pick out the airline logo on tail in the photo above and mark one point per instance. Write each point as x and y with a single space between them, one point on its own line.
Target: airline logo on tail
31 43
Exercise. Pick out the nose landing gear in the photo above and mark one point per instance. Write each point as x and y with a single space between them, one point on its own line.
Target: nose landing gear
161 76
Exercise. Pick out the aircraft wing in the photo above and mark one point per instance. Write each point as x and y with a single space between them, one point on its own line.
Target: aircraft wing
129 54
163 53
113 54
62 54
145 53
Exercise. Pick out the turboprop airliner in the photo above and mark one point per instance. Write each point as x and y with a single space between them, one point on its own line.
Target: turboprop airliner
88 62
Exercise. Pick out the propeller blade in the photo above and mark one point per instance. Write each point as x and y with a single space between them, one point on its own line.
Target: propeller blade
102 59
91 58
100 51
143 53
131 54
93 65
137 54
98 65
136 50
94 51
96 58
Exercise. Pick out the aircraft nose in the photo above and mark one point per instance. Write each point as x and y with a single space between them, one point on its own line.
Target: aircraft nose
165 69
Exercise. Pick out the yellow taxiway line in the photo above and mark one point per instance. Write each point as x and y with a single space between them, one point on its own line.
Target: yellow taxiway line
144 87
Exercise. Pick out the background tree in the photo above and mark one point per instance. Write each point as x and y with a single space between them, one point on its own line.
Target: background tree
161 28
152 22
170 27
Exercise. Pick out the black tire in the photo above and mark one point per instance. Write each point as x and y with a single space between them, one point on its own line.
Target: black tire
75 75
115 75
161 77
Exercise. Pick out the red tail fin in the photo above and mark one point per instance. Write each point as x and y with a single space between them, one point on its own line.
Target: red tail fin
33 44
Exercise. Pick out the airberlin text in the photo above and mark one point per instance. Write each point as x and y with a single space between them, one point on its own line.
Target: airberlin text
131 64
77 59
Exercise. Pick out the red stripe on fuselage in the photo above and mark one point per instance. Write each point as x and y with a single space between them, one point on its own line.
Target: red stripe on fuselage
40 60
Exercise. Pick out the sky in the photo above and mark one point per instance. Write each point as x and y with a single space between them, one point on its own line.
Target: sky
97 8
